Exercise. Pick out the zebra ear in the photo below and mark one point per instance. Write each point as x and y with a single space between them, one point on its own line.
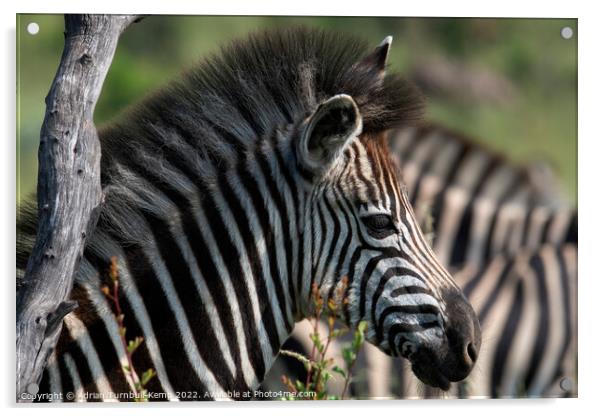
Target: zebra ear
377 60
327 132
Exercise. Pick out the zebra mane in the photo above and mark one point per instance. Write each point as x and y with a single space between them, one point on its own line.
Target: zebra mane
277 77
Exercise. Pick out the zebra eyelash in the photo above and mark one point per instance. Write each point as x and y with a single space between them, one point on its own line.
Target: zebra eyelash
379 225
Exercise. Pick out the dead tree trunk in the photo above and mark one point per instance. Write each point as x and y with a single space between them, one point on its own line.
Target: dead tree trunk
69 191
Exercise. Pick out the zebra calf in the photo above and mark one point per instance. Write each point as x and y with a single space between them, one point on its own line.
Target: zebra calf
228 195
488 212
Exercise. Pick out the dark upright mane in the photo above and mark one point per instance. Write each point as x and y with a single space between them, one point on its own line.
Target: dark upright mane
273 78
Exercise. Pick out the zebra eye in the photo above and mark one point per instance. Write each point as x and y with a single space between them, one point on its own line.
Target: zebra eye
379 225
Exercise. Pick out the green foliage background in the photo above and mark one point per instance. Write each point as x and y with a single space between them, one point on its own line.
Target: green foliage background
540 125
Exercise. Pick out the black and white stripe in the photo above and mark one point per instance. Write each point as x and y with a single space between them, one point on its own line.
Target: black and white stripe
538 250
227 195
484 210
481 204
527 305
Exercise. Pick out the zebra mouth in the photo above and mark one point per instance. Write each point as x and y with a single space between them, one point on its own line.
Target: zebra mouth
431 376
426 367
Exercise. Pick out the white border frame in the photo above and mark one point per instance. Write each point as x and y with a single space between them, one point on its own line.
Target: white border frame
589 151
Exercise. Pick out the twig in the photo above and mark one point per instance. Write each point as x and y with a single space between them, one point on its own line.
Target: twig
138 384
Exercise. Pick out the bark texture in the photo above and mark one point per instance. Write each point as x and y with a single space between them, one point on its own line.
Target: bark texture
69 191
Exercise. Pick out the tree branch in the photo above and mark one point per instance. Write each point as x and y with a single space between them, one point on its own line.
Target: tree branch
69 190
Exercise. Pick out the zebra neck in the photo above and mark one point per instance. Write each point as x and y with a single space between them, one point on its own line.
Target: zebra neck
209 269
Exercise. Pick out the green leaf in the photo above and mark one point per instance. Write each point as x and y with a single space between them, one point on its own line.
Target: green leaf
339 370
299 385
147 376
349 356
338 332
362 326
315 338
134 344
359 336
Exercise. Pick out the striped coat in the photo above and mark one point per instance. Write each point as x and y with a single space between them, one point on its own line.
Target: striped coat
233 192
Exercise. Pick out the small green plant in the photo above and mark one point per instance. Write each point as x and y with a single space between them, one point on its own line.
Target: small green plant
321 369
136 382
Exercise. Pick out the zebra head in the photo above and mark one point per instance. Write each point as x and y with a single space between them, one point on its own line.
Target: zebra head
360 224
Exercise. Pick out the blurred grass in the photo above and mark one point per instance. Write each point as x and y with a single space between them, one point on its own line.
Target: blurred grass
540 125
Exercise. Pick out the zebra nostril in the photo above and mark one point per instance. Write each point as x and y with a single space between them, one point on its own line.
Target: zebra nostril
472 352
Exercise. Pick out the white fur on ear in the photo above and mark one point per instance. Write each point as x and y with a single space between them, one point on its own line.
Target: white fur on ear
328 131
381 53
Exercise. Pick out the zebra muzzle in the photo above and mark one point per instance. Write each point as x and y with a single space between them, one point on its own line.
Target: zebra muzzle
440 363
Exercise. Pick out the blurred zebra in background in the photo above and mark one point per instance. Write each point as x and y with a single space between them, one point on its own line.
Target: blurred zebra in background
479 204
510 237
